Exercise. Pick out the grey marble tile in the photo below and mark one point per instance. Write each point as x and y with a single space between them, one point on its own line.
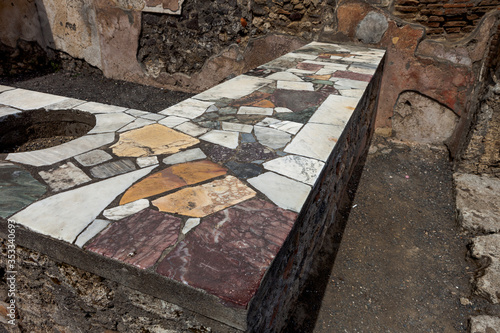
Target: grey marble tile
28 100
185 156
91 231
122 211
110 122
271 137
191 129
300 168
315 141
224 138
189 108
6 111
64 177
94 107
93 157
235 88
113 168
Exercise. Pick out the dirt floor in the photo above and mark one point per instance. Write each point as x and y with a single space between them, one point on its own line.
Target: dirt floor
401 265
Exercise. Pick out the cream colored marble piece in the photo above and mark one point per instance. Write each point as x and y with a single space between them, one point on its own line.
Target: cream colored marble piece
92 230
7 111
235 88
5 88
255 110
110 122
303 169
291 85
355 93
146 161
189 108
152 140
94 107
69 103
315 141
190 224
224 138
206 199
335 110
64 151
122 211
28 100
282 110
64 177
284 192
61 216
340 83
93 157
282 125
235 127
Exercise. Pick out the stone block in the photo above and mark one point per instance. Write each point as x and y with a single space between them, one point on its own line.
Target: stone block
484 324
371 29
477 202
488 284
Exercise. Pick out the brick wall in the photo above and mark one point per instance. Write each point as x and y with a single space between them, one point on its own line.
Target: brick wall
449 19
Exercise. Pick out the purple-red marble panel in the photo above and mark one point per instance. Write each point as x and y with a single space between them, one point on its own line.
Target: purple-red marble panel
139 239
353 76
229 252
297 100
309 67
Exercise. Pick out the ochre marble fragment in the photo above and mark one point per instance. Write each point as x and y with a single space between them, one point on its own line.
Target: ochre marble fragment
203 200
173 177
152 140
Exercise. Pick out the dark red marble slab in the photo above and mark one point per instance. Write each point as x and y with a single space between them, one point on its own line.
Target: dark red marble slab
352 76
229 252
139 239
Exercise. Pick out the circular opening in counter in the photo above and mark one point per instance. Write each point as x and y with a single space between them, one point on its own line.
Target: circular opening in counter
40 129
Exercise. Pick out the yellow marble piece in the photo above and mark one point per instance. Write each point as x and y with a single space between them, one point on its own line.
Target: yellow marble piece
152 140
203 200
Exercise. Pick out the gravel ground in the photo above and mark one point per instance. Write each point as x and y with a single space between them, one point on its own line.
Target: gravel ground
401 265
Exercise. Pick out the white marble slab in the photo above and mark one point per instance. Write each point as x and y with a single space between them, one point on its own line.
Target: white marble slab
94 107
91 231
191 129
122 211
340 83
66 150
355 93
235 127
302 169
64 177
138 123
61 216
235 88
291 85
69 103
362 70
185 156
284 76
172 121
282 110
282 125
28 100
110 122
137 113
335 110
153 116
93 157
298 55
189 108
255 110
224 138
284 192
315 141
271 137
5 88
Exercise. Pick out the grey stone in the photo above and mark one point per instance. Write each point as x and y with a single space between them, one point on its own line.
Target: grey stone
271 137
488 284
477 202
421 119
64 177
371 29
93 157
484 324
114 168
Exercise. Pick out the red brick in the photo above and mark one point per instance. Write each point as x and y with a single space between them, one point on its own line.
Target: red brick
433 24
457 5
408 3
489 3
434 31
472 17
455 11
435 5
452 30
436 18
455 24
406 9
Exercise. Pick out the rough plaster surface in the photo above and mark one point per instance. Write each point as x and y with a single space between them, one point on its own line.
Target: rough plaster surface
478 202
421 119
484 324
488 284
371 29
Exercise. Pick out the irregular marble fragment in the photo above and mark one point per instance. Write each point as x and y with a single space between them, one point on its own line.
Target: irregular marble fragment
272 138
284 192
244 170
93 157
171 178
224 138
110 122
203 200
146 161
93 229
300 168
152 140
139 239
18 189
315 140
28 100
190 224
191 129
189 108
64 177
185 156
122 211
113 168
229 252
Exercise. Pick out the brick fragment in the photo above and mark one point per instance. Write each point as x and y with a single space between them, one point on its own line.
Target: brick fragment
455 24
406 9
436 18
